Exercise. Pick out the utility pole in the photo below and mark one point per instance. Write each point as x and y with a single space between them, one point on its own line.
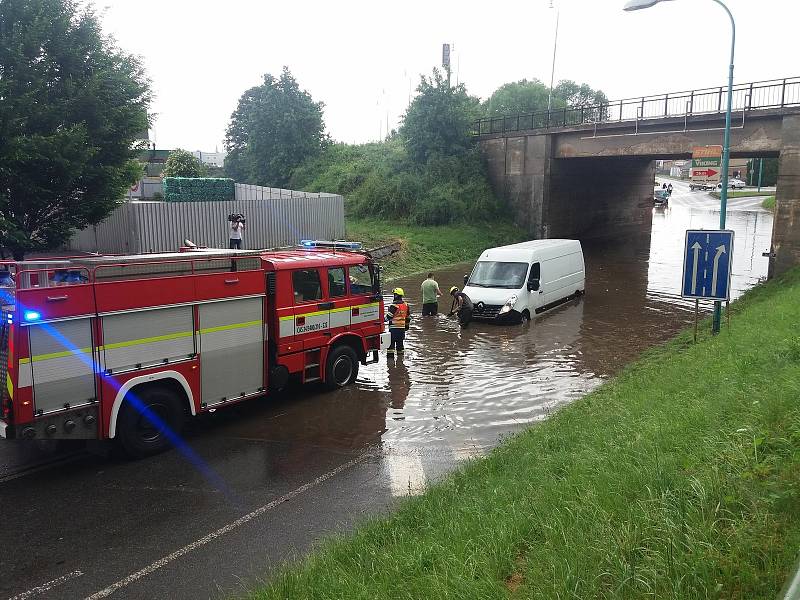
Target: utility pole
553 69
446 61
760 172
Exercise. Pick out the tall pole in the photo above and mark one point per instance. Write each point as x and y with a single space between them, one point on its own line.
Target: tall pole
726 152
760 171
553 69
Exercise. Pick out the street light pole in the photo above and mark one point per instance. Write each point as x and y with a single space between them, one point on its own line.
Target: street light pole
726 142
726 155
553 69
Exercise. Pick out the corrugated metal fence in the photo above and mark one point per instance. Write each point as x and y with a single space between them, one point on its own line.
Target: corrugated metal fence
141 226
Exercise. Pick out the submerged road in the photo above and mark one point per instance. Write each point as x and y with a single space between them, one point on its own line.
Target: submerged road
267 480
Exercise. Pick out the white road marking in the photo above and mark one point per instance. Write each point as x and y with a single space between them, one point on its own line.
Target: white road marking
46 587
223 530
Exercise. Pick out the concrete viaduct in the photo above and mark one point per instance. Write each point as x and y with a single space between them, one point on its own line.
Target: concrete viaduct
588 171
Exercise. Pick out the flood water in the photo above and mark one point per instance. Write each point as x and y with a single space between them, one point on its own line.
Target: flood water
459 391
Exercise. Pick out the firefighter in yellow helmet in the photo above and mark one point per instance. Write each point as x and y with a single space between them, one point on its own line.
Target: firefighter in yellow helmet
399 316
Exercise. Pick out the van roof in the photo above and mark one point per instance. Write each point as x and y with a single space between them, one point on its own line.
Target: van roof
542 249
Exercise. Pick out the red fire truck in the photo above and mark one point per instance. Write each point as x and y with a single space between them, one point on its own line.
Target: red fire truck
124 347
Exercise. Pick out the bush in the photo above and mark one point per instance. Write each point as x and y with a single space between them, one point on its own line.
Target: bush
380 180
197 189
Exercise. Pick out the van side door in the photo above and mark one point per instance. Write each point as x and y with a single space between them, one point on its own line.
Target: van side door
535 287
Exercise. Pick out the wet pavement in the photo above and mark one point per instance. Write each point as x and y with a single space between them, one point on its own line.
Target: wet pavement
265 481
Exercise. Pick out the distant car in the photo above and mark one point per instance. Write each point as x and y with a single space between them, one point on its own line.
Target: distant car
661 197
734 184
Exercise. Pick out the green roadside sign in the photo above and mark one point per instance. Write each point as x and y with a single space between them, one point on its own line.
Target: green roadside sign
706 162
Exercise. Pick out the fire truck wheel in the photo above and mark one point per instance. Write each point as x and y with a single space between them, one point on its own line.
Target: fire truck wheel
138 434
341 368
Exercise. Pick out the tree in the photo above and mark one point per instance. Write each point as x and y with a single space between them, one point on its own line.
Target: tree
182 163
582 95
525 97
439 119
518 98
275 128
576 95
72 106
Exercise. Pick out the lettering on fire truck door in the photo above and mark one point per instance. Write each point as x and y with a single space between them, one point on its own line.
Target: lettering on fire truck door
62 364
231 349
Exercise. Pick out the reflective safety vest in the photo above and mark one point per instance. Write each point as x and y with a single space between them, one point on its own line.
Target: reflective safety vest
400 316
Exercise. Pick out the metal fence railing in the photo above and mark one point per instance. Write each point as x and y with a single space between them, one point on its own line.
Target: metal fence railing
777 93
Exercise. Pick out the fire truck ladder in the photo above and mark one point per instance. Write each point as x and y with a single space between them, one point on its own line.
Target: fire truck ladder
313 367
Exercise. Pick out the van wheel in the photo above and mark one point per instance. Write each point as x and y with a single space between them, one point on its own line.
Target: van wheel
526 316
148 421
341 368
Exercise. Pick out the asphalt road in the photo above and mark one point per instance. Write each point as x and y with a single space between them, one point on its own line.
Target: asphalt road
684 197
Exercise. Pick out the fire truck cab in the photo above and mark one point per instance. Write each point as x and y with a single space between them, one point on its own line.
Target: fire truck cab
125 347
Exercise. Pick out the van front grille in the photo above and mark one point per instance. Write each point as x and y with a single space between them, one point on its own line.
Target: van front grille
486 311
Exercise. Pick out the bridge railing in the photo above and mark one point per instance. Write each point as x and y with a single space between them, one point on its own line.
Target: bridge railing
777 93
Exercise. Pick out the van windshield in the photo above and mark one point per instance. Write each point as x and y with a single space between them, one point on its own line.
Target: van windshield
492 274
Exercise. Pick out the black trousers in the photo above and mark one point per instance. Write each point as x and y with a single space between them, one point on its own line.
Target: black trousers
398 337
464 316
235 244
430 308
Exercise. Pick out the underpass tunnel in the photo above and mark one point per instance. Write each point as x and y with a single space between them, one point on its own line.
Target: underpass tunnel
604 197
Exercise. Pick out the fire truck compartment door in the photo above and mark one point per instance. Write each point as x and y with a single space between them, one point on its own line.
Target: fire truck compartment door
147 337
62 364
231 349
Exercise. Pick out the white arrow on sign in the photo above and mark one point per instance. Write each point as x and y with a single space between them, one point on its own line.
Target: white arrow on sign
696 247
720 252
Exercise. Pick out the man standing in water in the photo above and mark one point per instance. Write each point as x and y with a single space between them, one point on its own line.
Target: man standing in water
399 319
462 305
430 296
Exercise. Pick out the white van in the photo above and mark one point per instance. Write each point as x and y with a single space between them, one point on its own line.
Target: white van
513 283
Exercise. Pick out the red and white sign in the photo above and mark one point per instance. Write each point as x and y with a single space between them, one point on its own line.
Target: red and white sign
706 165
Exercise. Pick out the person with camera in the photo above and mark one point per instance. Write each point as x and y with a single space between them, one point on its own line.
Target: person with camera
236 222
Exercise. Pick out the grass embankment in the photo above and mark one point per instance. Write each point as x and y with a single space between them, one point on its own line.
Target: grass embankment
430 248
768 203
677 479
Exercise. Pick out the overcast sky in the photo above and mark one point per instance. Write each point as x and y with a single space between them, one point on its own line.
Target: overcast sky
361 58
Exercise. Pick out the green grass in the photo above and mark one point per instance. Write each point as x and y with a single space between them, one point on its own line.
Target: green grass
430 248
769 203
677 479
742 194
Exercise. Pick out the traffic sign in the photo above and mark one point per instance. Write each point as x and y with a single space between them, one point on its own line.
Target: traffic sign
707 262
706 164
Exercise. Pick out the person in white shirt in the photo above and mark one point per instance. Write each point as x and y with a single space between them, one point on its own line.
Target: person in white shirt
236 230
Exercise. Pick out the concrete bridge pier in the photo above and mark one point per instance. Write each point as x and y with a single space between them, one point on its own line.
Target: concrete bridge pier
786 228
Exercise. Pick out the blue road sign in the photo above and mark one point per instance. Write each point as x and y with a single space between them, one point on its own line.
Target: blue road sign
707 260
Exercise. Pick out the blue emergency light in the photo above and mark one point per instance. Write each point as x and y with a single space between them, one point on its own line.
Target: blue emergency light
31 315
333 245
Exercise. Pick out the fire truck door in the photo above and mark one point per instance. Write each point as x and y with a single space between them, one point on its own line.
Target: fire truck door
231 349
340 303
366 310
311 309
62 364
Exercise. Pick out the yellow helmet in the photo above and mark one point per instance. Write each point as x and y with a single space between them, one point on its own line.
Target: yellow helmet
453 290
398 291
